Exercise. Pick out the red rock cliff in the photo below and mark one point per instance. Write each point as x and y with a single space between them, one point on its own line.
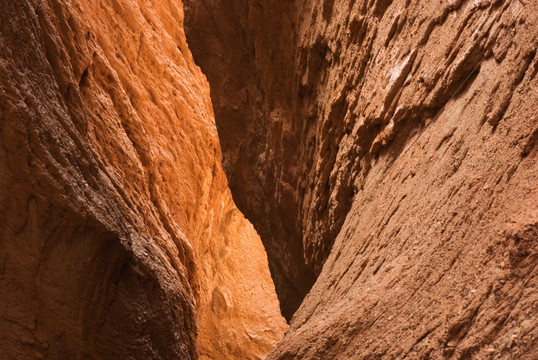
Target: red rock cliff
119 237
385 150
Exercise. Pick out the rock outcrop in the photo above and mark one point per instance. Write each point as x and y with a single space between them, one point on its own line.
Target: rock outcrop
385 151
119 238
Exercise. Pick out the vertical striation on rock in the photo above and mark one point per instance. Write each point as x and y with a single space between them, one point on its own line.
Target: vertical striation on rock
246 48
385 150
119 237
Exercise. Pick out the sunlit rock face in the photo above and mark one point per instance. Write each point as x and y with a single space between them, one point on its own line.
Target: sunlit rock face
385 150
119 238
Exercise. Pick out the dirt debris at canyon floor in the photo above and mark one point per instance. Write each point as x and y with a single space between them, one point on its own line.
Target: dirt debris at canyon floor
384 150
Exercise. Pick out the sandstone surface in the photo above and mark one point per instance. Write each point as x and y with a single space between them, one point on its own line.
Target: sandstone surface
119 238
385 151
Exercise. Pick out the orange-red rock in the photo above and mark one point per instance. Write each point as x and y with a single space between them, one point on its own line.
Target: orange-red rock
384 150
119 237
387 151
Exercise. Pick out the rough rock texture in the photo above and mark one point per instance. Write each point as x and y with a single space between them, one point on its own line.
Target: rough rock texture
388 150
238 314
117 222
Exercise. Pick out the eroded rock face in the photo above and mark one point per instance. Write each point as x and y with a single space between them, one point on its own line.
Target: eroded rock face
388 150
119 237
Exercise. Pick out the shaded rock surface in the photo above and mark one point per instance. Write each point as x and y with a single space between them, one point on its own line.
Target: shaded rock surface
385 151
119 238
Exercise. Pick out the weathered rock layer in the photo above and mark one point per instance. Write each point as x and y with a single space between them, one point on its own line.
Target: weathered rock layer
119 238
385 150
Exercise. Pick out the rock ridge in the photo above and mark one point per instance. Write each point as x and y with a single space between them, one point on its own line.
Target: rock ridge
381 149
119 237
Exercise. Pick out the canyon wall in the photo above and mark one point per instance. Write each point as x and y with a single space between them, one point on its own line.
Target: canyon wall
119 238
386 153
